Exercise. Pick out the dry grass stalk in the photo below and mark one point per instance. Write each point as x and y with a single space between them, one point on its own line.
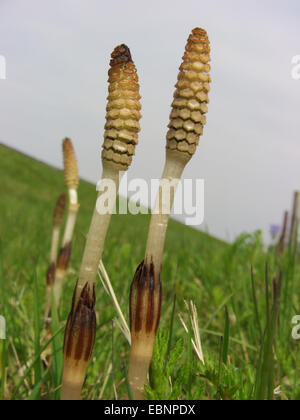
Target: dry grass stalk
186 125
120 137
106 378
58 218
282 239
295 220
196 342
72 182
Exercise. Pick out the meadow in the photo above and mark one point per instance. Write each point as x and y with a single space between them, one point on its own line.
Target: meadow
245 325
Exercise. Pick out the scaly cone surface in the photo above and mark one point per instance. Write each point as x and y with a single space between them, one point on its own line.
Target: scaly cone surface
123 110
191 96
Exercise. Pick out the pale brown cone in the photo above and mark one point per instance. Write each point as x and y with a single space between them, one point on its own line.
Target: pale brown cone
191 96
123 110
70 165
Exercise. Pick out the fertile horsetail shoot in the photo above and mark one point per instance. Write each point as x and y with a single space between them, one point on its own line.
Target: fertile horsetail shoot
72 182
120 138
186 125
58 218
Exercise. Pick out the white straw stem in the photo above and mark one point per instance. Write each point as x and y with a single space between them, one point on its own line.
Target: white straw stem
197 350
109 370
54 244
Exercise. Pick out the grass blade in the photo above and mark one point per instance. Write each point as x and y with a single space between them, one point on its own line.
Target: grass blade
189 358
226 337
57 356
219 393
256 312
33 363
2 342
36 392
37 326
265 389
2 368
171 331
130 396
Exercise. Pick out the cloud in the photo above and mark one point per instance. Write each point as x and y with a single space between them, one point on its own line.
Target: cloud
57 60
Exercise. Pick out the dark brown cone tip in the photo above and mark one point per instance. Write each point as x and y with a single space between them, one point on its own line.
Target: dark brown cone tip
145 300
64 257
81 326
120 55
199 31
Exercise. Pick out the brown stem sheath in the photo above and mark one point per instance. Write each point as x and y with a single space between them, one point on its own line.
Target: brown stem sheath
58 217
78 344
145 308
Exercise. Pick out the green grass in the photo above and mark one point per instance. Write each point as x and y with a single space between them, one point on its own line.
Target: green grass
247 351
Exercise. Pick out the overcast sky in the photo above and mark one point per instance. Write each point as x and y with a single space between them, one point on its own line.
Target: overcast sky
57 54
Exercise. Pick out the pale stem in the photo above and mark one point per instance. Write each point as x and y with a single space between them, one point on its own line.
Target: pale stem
69 230
99 225
140 358
164 202
142 346
67 239
58 284
54 244
53 256
73 379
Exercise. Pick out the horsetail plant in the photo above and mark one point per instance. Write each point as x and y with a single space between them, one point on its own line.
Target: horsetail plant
120 138
72 182
58 218
186 125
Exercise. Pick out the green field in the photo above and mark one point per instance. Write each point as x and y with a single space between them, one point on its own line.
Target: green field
243 358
